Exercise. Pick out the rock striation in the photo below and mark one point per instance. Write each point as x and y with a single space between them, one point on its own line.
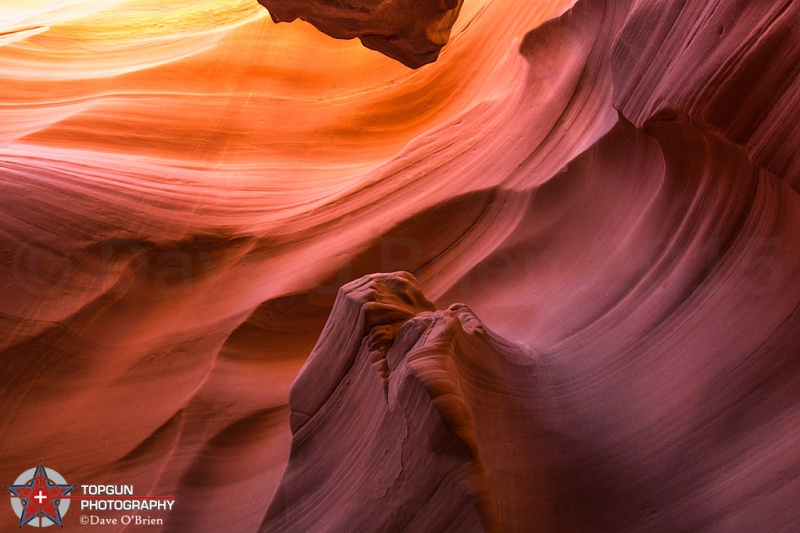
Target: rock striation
610 187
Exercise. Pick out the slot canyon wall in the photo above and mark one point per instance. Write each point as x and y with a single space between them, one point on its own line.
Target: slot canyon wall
454 266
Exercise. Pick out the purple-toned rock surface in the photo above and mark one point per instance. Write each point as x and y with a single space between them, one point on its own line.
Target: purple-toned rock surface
598 204
647 295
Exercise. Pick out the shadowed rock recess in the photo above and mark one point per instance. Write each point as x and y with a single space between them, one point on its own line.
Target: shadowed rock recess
410 31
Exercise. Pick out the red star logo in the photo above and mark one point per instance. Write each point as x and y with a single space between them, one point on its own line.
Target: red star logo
40 497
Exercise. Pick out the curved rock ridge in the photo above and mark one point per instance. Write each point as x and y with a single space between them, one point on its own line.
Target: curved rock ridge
734 66
410 31
671 355
612 188
398 423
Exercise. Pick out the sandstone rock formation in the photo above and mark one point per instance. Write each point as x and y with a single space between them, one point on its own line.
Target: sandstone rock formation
410 31
598 201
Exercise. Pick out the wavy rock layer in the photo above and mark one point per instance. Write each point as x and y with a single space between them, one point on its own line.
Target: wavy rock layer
611 189
650 291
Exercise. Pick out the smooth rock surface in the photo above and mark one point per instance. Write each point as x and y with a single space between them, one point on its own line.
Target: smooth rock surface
609 189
